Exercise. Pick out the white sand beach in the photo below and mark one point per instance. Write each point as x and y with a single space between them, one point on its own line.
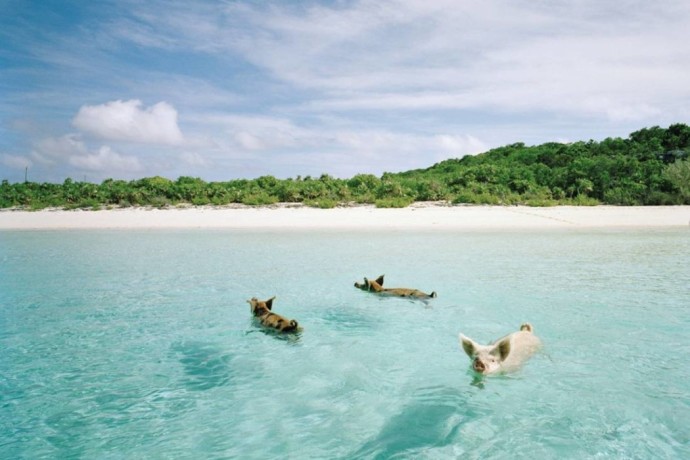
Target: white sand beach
417 216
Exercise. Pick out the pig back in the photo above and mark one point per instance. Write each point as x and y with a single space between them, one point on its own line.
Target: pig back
523 344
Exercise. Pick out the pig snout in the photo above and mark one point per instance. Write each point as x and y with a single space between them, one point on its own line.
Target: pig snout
478 365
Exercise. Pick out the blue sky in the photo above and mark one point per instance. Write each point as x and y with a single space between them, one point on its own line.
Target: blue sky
239 89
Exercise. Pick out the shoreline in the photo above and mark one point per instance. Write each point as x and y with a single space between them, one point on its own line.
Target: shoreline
418 216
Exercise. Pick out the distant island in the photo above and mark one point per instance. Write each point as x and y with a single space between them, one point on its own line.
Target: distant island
650 167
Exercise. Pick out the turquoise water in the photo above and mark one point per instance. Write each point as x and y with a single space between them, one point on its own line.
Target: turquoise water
139 344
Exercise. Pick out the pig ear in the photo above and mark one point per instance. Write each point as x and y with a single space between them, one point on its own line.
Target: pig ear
503 348
380 280
269 302
467 344
373 286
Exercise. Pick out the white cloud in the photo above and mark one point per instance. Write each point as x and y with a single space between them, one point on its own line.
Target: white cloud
459 146
603 60
249 141
129 121
106 160
372 151
15 161
348 86
194 159
53 150
263 133
255 133
60 147
383 141
516 57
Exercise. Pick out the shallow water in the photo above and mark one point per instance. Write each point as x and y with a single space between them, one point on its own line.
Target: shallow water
139 344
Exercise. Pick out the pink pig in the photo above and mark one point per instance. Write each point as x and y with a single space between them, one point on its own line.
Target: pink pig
506 354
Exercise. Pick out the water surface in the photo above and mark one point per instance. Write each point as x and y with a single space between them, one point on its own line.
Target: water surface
139 344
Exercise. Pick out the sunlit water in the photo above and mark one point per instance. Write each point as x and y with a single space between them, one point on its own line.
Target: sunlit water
139 344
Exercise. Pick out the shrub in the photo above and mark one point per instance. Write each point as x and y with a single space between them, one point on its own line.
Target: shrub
200 200
322 203
619 196
259 199
398 202
657 198
678 174
541 202
583 200
468 197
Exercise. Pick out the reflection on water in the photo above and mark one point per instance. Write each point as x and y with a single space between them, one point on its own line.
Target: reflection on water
432 417
348 320
205 365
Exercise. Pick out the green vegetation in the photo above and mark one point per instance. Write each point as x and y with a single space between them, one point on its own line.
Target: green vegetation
650 167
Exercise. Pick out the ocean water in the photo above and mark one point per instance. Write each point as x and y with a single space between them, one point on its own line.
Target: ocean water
139 344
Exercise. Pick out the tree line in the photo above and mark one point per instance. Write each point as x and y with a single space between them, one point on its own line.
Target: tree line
650 167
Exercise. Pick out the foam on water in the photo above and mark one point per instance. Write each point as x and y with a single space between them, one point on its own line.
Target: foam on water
139 344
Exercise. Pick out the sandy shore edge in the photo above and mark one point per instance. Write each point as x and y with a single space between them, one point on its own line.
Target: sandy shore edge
417 216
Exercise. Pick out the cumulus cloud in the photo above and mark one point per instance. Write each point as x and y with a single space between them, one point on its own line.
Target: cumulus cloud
356 86
130 121
106 160
54 150
71 149
60 147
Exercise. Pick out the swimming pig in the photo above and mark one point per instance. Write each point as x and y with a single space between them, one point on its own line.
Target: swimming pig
261 309
377 286
504 355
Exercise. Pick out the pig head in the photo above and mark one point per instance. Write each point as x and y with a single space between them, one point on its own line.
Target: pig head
506 354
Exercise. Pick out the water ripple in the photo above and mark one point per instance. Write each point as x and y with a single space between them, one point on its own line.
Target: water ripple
205 365
105 355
